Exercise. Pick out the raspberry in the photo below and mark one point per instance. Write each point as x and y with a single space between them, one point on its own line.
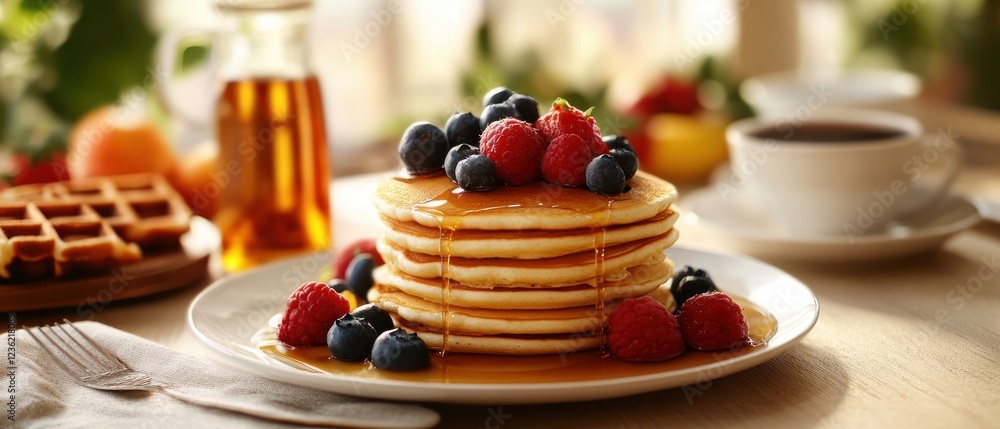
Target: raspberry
641 329
516 150
565 119
712 321
309 314
565 161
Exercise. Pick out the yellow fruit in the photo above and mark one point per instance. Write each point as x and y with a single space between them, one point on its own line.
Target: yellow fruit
685 148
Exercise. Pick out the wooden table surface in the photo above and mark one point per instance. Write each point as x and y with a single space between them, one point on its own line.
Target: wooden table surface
898 344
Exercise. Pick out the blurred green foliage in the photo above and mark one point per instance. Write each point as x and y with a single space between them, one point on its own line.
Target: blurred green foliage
980 38
906 31
64 58
527 77
107 52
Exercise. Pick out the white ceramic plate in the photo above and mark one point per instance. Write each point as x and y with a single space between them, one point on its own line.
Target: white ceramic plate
227 314
744 229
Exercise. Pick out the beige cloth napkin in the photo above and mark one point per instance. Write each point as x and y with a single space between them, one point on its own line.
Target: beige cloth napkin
48 397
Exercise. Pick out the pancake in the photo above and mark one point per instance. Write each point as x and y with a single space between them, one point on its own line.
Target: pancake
521 264
434 201
478 321
506 344
509 343
525 244
559 271
641 280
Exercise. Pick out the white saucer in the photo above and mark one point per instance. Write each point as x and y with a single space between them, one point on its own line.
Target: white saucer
747 230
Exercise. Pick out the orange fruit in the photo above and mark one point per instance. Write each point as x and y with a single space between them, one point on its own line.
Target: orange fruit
110 141
193 178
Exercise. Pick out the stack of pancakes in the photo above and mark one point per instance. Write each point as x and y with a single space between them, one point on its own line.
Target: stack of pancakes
520 269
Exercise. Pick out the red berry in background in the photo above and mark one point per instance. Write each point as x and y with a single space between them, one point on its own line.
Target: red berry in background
669 96
25 169
516 149
309 314
712 321
347 254
565 161
641 329
565 119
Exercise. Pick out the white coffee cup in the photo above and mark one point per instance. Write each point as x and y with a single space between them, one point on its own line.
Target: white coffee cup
847 185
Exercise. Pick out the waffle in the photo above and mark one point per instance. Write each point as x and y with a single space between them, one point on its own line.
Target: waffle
84 226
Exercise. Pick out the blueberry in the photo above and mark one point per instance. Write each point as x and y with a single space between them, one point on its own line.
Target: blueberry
690 271
604 176
462 128
497 95
397 350
456 155
338 285
496 112
359 275
476 173
627 160
526 106
423 148
618 142
377 317
351 339
690 286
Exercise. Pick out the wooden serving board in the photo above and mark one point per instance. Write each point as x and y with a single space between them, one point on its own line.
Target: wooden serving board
153 274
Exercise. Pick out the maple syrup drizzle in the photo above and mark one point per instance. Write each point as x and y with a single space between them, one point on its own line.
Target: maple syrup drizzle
600 238
445 251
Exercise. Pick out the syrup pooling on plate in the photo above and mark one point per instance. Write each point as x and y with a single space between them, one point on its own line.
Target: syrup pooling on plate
483 368
450 206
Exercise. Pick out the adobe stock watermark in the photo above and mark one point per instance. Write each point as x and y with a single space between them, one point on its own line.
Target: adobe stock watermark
561 13
365 34
900 15
248 149
958 297
11 402
495 418
785 125
97 303
694 48
32 23
782 300
128 103
883 199
706 378
263 308
474 102
746 168
615 125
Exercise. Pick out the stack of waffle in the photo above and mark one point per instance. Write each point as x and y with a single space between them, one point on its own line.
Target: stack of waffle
86 226
518 270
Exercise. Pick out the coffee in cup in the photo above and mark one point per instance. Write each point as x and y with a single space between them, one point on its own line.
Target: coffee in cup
840 172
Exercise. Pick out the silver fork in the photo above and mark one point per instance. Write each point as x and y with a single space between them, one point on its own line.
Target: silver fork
93 366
